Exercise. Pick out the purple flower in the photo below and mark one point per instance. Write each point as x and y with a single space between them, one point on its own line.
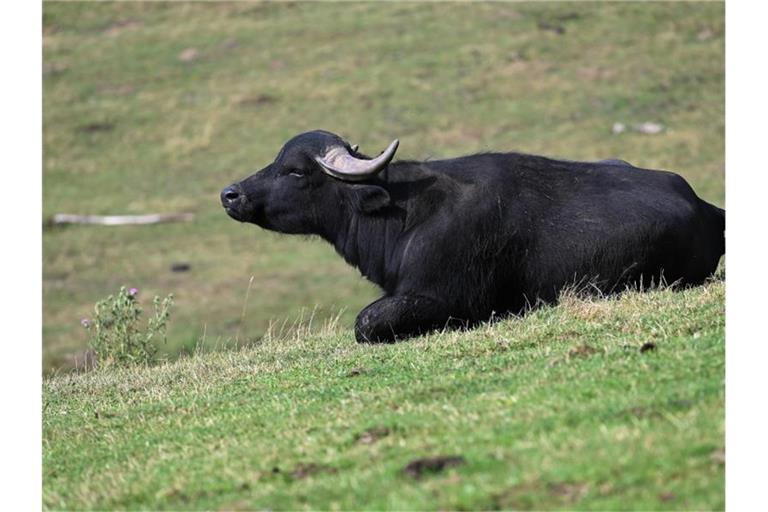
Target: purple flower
132 292
85 323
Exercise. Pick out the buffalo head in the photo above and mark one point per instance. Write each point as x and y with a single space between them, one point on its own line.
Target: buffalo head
315 175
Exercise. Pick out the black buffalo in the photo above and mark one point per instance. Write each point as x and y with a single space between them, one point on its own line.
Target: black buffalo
459 241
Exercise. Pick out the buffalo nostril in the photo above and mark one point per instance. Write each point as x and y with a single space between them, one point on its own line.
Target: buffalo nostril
229 195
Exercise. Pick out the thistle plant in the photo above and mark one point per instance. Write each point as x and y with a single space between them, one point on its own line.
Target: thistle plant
115 335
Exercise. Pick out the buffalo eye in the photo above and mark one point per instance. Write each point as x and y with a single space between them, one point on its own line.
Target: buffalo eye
297 173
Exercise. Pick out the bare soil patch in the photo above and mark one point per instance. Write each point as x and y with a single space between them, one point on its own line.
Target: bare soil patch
372 435
419 468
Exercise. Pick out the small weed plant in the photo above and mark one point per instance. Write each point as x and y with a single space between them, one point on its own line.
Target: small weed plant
115 334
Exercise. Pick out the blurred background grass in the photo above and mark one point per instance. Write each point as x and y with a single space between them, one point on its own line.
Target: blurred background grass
155 107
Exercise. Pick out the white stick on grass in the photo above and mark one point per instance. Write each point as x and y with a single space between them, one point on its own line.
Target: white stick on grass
121 220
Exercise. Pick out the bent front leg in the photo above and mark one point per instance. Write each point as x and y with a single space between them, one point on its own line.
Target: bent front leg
398 317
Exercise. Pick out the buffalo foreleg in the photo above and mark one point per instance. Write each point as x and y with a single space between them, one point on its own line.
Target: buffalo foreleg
398 317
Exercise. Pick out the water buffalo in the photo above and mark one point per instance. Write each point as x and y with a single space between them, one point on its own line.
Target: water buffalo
459 241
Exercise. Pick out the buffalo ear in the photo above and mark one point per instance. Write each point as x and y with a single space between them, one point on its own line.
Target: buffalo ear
369 198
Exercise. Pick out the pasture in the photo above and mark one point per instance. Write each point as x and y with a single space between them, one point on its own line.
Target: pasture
570 408
154 107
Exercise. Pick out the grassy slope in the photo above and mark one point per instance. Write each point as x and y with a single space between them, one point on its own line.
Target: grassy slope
559 409
130 128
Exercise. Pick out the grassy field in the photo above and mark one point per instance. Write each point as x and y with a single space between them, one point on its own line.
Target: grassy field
562 409
155 107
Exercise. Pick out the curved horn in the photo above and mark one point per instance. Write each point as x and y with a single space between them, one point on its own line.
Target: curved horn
338 163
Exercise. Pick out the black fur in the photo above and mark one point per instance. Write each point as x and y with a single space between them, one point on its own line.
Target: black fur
455 242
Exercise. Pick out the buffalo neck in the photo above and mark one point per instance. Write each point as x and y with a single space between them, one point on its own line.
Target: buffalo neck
367 241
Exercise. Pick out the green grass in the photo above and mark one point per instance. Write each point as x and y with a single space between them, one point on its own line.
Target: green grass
560 409
130 128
